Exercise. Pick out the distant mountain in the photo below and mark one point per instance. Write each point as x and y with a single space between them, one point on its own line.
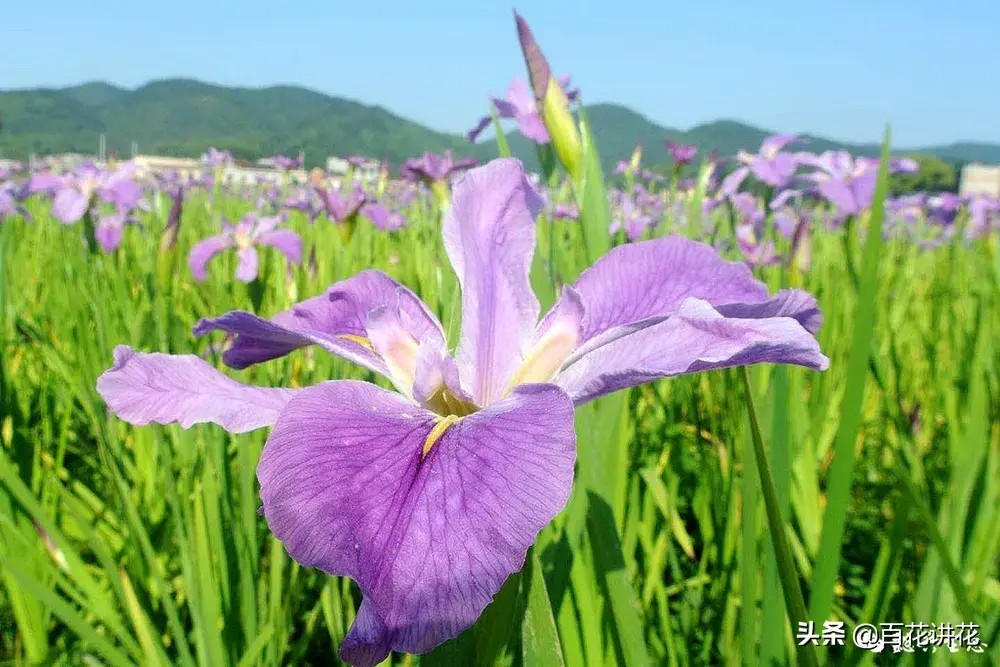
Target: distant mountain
184 117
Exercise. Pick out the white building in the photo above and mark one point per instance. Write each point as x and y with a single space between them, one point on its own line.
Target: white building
337 166
981 179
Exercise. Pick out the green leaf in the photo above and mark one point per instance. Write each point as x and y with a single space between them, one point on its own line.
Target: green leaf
842 468
539 638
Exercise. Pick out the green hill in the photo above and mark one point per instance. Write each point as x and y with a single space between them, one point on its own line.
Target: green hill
184 117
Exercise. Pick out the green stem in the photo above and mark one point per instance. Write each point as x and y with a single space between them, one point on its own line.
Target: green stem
787 570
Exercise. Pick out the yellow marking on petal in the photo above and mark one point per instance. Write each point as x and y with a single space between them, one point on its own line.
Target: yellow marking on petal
546 357
442 425
360 340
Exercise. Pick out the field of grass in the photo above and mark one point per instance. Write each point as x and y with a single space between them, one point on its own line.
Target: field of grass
711 515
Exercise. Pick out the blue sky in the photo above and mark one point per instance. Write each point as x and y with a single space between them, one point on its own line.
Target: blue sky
839 69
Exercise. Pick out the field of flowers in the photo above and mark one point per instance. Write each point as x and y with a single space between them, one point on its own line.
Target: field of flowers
403 421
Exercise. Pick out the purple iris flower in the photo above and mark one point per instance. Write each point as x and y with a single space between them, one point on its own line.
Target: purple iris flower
307 200
628 214
984 215
285 163
341 208
523 108
907 210
251 231
383 217
45 182
770 165
217 158
750 229
432 168
429 497
681 153
76 192
358 161
9 204
847 183
942 209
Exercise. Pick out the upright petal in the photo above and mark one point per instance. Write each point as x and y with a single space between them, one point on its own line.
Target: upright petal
696 337
532 126
430 540
519 96
839 194
489 234
205 250
183 389
335 320
638 281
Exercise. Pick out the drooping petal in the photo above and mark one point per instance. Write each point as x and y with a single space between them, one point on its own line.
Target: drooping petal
489 234
205 250
839 194
651 279
334 320
285 241
166 389
474 133
430 540
696 337
799 305
69 205
108 231
504 108
246 270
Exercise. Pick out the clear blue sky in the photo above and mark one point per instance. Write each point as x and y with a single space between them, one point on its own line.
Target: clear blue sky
840 69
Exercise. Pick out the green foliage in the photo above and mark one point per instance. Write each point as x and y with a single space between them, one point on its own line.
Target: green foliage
934 175
153 553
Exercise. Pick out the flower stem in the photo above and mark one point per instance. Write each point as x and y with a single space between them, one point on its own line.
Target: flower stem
787 570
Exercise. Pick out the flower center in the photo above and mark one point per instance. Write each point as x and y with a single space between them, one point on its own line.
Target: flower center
446 404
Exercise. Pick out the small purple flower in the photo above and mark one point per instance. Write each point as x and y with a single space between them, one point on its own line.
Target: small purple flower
984 216
942 209
566 212
216 158
285 163
847 183
749 230
429 497
383 217
629 215
308 200
770 165
522 107
251 231
681 153
342 208
431 168
77 193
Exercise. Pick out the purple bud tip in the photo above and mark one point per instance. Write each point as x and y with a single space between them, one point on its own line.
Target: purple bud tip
538 67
